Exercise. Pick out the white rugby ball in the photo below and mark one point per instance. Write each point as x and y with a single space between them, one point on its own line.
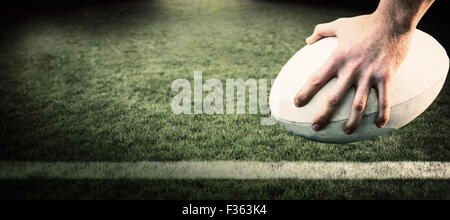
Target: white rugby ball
416 84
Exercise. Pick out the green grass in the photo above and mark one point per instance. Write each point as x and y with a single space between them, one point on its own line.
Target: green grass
93 84
225 189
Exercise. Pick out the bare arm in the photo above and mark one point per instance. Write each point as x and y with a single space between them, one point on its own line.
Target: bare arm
370 50
402 15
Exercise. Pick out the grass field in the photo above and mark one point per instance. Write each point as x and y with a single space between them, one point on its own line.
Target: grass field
93 84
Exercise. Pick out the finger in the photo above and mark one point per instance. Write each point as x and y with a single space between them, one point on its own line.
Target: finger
321 31
316 82
358 107
332 103
383 105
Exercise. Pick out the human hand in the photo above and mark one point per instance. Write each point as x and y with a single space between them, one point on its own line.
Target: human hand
369 51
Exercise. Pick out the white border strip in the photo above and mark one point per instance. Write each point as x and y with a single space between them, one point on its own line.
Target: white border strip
224 170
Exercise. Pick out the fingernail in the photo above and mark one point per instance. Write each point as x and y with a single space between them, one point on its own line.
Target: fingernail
348 131
316 127
380 124
298 102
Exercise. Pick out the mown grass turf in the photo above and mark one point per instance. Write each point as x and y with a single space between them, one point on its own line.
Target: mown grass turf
225 189
93 84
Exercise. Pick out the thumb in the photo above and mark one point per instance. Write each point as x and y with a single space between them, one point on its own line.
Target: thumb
321 31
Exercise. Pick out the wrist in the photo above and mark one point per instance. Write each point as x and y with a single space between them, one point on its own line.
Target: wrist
401 16
396 23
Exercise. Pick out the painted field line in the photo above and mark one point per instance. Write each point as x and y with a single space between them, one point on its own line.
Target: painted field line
224 170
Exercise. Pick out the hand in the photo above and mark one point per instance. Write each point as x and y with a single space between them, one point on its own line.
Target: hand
368 53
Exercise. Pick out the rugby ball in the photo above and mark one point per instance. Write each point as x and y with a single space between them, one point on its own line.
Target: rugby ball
416 84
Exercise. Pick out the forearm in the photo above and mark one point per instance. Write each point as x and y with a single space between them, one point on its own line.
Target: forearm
401 15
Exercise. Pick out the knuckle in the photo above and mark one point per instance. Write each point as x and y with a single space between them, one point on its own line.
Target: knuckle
383 78
333 101
359 107
316 81
335 57
387 73
340 20
338 54
317 27
344 51
380 79
352 66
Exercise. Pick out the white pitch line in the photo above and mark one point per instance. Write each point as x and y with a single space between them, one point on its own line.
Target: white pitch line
224 170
